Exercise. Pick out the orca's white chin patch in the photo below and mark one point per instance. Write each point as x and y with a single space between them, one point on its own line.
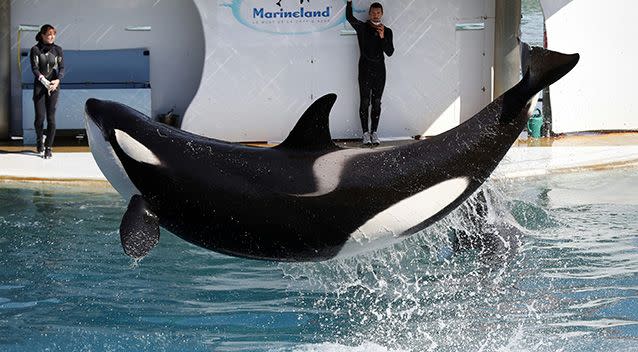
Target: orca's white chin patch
385 228
108 162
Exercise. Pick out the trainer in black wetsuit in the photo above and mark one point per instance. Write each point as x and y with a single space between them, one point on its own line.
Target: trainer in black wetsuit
47 65
374 40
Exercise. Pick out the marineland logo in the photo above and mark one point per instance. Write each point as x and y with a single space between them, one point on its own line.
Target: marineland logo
288 16
301 13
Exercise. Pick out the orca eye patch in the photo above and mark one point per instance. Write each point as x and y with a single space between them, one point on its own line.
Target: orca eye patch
134 149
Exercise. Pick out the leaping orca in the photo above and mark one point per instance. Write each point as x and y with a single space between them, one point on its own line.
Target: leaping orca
305 199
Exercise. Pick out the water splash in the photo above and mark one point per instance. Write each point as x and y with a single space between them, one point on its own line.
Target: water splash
407 294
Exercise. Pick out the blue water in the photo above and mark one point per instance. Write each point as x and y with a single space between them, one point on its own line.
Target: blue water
532 22
566 281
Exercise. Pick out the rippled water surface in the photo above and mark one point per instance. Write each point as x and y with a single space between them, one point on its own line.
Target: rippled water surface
560 275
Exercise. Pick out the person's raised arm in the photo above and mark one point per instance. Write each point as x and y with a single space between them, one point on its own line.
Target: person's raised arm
354 22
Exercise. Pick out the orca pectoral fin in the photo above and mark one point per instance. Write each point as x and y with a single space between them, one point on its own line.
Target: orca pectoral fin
139 230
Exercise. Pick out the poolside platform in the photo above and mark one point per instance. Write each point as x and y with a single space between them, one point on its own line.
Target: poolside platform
73 162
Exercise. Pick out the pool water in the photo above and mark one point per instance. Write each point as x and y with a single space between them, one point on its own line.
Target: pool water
561 277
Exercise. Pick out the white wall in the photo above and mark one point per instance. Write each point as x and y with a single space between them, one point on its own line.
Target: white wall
252 82
257 81
599 94
476 57
176 41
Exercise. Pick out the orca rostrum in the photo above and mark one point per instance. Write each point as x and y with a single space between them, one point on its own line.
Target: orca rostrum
305 199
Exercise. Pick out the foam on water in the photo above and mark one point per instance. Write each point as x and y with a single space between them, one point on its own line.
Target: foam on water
334 347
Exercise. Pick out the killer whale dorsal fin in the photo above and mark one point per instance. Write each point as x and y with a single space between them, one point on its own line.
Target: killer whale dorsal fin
312 131
139 230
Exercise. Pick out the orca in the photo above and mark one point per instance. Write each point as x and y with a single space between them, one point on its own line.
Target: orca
305 199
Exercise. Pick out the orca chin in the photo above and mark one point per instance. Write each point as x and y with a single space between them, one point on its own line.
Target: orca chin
305 199
107 160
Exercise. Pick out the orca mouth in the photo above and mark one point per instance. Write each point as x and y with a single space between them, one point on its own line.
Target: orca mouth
106 158
93 109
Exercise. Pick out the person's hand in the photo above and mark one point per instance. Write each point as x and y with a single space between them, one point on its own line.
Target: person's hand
54 84
45 82
380 30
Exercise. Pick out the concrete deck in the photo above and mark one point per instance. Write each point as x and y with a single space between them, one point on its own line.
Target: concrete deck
527 158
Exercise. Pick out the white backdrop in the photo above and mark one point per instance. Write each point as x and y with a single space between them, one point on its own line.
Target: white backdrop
241 78
600 93
260 74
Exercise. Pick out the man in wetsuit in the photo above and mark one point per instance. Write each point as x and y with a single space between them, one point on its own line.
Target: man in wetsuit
374 39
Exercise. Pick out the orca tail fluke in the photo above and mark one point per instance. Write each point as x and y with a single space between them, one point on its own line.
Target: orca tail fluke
547 67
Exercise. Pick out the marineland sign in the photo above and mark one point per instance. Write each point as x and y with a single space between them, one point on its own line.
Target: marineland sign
288 16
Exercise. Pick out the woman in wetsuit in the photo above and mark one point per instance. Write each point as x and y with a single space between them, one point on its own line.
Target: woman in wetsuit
374 39
47 65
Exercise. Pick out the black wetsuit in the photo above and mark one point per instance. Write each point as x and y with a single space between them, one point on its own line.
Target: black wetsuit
371 67
46 60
